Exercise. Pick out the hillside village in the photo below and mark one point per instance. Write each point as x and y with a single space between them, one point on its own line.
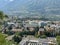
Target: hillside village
31 32
29 22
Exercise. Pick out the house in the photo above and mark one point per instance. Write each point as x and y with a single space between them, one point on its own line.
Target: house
52 27
41 31
48 28
17 30
30 27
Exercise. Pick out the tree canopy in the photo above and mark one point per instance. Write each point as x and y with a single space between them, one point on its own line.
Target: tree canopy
3 41
1 15
58 40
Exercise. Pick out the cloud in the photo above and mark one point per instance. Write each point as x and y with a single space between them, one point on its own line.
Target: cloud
9 0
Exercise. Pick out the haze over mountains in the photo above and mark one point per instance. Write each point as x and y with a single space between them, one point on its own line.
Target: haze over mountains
30 7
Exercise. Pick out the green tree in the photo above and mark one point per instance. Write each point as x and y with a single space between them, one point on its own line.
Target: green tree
2 39
36 35
6 16
17 39
58 40
1 15
36 29
43 36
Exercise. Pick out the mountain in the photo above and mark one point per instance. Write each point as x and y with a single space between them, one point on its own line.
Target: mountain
31 7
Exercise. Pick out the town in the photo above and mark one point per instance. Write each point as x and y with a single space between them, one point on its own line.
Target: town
30 32
29 22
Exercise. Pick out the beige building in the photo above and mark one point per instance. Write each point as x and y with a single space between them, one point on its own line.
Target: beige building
17 30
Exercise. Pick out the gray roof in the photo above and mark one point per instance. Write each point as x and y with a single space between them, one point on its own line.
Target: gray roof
38 40
30 25
41 29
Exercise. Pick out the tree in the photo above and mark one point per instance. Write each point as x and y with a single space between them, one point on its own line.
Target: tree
10 32
43 36
17 38
36 35
6 16
36 29
58 40
2 39
1 15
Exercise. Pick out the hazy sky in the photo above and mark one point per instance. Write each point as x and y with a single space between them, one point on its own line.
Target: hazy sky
4 2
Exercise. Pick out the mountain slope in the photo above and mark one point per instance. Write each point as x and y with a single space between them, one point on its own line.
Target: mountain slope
33 7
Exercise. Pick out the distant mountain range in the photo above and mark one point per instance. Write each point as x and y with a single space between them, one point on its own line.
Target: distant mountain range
31 7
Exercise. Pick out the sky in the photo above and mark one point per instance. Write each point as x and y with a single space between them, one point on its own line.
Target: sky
9 0
4 2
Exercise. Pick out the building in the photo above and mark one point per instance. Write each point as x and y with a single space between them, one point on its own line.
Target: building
35 41
55 28
42 24
41 31
30 27
17 30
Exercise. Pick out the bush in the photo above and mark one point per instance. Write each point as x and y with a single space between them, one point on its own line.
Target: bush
43 36
10 32
58 40
36 35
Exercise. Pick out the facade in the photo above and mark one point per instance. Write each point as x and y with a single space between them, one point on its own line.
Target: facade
39 41
54 28
17 30
41 31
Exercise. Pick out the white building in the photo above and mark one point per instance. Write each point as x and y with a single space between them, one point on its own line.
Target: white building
34 41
